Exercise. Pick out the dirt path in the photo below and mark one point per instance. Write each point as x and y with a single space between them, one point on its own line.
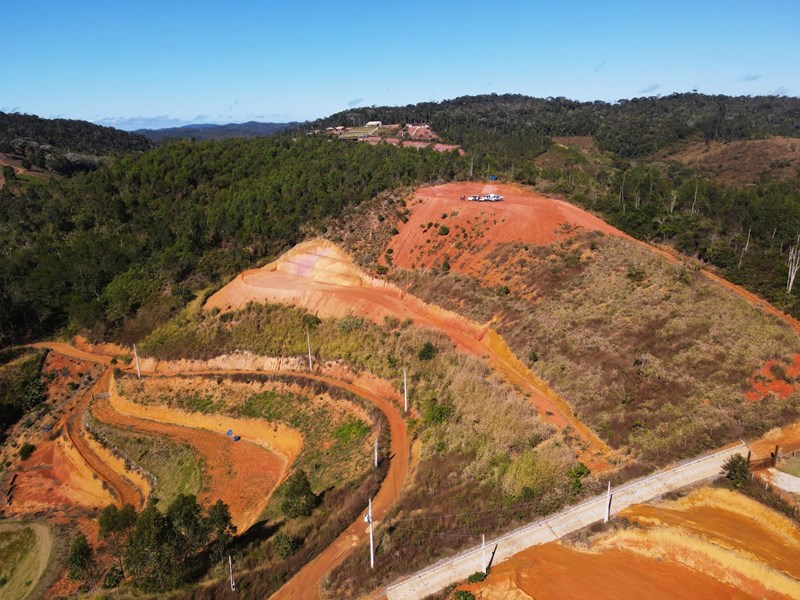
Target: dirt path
305 584
242 474
322 278
23 578
125 490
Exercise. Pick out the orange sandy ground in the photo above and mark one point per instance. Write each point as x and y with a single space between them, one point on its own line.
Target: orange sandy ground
523 216
713 544
322 278
242 474
764 381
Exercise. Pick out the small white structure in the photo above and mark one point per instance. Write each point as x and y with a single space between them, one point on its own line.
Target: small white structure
374 124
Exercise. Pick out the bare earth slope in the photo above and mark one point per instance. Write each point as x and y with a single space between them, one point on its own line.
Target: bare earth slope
320 277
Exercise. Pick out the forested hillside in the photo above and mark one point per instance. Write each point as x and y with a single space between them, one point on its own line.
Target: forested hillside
140 237
628 128
67 134
216 132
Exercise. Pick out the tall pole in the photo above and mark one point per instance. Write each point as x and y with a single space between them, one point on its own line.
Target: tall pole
405 391
483 553
136 358
310 363
608 504
230 566
371 543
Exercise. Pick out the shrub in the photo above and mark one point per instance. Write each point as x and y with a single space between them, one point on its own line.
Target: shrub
285 546
26 451
444 230
445 266
533 357
503 290
298 498
736 470
427 352
464 595
476 577
112 578
382 269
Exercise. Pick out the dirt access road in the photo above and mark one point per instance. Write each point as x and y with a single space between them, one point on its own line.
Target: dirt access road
320 277
305 584
460 567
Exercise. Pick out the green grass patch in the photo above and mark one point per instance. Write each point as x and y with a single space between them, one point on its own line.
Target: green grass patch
352 430
23 560
175 466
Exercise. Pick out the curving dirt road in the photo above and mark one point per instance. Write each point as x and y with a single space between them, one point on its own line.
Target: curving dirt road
227 465
125 490
305 584
320 277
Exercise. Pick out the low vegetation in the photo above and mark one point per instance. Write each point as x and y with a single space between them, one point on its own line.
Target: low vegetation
176 468
663 380
483 449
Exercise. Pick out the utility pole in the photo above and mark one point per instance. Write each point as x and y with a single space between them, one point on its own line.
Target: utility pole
483 553
136 358
608 504
230 566
310 363
405 391
368 519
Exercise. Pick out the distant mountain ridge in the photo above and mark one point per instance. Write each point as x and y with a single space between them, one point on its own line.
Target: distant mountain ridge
210 131
18 130
629 128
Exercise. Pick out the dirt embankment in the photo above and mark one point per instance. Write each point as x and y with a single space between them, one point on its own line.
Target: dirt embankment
242 474
442 226
322 278
713 543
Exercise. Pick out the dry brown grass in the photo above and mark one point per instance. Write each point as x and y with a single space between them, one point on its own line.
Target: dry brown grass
651 355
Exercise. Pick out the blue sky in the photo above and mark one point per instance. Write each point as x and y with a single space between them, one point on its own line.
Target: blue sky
155 64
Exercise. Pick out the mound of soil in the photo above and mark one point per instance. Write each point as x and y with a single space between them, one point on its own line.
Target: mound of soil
443 227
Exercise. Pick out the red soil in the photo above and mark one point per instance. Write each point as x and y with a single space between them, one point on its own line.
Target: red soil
320 277
765 381
559 572
477 227
305 584
711 544
241 474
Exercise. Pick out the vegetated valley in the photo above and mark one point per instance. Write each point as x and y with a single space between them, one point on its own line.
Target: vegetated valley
287 295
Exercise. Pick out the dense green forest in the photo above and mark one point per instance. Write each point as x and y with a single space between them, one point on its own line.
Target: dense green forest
216 132
66 134
140 237
746 232
517 127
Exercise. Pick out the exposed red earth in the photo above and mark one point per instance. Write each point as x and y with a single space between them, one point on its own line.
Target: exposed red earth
713 543
322 278
158 419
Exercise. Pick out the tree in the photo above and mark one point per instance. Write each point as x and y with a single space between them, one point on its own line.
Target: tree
115 526
427 352
794 264
8 173
221 528
298 498
153 555
80 563
187 519
736 470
